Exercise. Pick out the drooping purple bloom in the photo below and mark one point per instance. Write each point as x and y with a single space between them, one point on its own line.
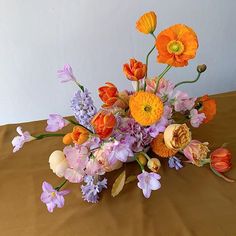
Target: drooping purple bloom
83 107
92 188
182 102
21 139
56 122
66 74
196 118
51 197
175 162
148 182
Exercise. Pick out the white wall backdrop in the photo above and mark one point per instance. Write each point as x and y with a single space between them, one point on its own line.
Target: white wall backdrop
96 38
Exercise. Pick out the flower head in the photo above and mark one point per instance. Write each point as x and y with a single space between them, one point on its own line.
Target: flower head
176 45
154 164
182 102
20 140
83 107
66 74
103 124
175 162
135 70
51 197
148 182
146 108
79 135
196 118
147 23
55 123
108 94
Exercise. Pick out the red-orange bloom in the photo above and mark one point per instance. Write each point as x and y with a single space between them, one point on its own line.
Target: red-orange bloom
79 135
221 160
207 106
103 124
108 94
135 70
176 45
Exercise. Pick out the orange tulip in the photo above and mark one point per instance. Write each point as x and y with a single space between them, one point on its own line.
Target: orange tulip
207 106
147 23
67 139
221 160
103 124
176 45
135 70
79 135
108 94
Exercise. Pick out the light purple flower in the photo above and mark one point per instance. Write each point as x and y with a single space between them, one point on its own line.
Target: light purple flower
83 107
55 123
148 182
92 188
175 162
51 197
93 168
66 74
182 102
20 140
196 118
165 89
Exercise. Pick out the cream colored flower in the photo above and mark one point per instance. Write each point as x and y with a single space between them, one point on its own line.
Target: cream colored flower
154 164
177 136
58 163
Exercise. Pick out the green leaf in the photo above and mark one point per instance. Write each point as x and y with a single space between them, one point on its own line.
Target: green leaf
118 184
131 178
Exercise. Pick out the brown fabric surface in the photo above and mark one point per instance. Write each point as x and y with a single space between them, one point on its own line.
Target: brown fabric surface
192 201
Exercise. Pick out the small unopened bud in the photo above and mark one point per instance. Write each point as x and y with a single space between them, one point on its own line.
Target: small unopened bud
154 164
142 159
201 68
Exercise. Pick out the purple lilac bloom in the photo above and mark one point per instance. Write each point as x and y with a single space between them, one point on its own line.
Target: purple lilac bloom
51 197
66 74
92 188
55 123
83 108
21 139
148 182
196 118
175 162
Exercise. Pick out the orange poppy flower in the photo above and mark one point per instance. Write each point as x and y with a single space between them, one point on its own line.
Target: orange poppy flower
79 135
135 70
207 106
108 94
103 123
147 23
176 45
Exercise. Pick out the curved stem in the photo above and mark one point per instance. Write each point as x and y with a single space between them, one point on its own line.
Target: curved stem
41 136
221 175
189 81
141 166
76 123
60 186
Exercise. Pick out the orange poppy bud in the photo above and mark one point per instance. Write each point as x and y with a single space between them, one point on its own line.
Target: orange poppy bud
67 139
79 135
103 124
108 94
147 23
135 70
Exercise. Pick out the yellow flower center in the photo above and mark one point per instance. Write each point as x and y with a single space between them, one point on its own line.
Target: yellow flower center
53 194
147 108
175 46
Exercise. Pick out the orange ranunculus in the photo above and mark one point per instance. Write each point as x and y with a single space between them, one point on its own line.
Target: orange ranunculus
79 135
147 23
135 70
108 94
176 45
207 106
103 123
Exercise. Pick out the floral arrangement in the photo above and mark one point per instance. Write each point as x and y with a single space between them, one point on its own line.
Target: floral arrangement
150 124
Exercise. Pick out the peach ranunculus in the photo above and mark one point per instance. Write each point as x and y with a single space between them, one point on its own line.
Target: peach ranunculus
79 135
108 94
196 152
103 123
177 136
176 45
135 70
207 106
147 23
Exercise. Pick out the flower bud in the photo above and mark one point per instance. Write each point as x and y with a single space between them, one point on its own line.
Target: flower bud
201 68
142 159
67 139
154 164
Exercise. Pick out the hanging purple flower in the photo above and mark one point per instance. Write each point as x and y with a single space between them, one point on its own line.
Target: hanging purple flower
55 123
66 74
175 162
92 188
51 197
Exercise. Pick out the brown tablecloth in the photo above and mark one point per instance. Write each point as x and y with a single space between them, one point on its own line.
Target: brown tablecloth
192 201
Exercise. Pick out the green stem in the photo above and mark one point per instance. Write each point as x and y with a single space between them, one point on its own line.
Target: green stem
137 89
41 136
221 175
189 81
76 123
60 186
161 75
80 86
141 166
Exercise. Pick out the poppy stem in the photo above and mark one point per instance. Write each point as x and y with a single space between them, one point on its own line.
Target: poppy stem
189 81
